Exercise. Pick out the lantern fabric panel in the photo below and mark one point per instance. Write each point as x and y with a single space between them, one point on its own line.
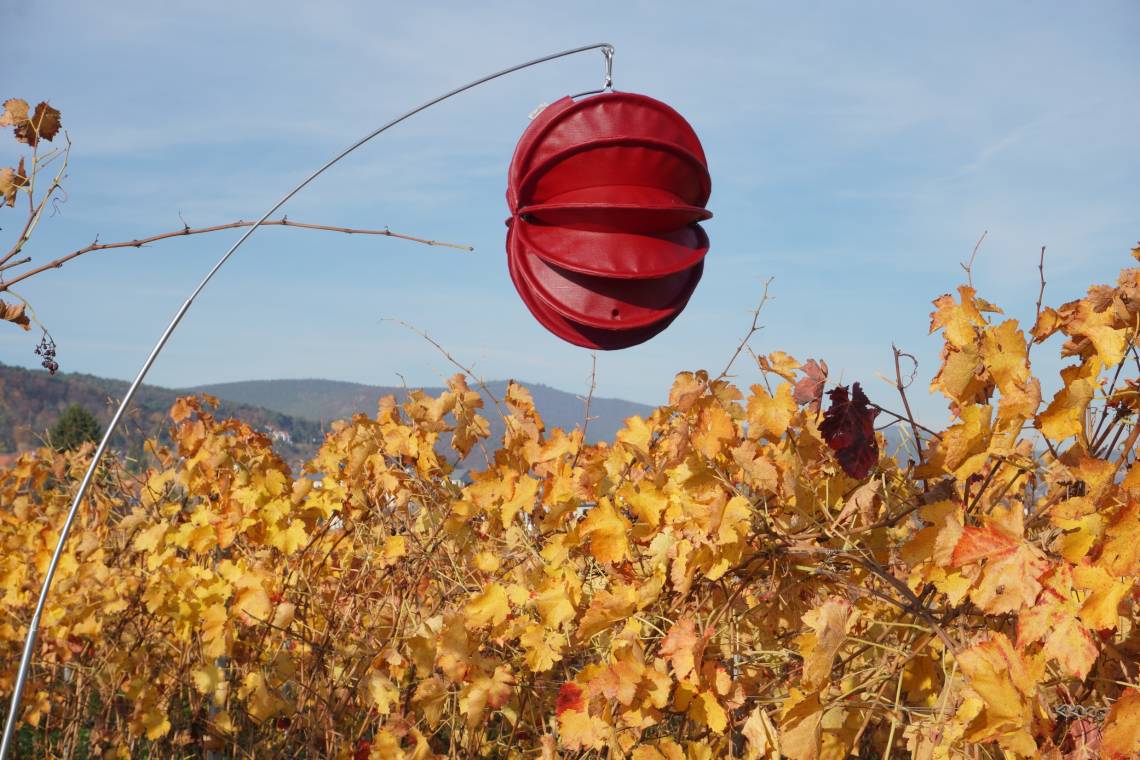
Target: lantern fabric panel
606 195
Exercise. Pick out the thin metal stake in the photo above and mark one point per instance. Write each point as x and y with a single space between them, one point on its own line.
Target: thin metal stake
33 626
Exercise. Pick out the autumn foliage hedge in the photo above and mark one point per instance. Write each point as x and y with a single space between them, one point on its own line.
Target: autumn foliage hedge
747 573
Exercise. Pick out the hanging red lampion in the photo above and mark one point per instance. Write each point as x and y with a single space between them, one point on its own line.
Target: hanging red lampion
605 194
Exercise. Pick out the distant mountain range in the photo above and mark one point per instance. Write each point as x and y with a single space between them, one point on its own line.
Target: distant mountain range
323 401
294 412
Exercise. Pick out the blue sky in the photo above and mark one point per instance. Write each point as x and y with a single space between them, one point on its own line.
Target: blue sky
857 151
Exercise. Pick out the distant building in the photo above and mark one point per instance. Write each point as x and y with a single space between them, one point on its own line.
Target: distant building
278 435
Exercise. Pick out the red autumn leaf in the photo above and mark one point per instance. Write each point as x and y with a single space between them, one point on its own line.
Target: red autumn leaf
809 390
569 698
849 429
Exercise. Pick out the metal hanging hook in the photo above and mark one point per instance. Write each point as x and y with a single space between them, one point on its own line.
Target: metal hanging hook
49 574
608 82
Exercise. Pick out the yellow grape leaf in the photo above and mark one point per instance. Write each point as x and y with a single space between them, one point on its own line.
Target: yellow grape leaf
1100 610
959 322
1078 536
156 723
252 600
1012 566
486 562
645 501
291 539
760 733
1120 555
147 540
962 377
769 415
707 711
687 388
208 679
781 364
577 729
554 605
1064 416
1003 683
214 619
542 648
379 693
430 697
490 607
1121 738
662 749
607 531
1005 355
1048 322
713 429
828 623
635 435
484 692
395 547
1109 342
606 608
800 723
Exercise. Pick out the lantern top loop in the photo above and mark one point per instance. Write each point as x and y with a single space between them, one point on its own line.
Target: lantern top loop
608 83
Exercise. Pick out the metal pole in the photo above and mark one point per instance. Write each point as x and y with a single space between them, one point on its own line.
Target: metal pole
33 626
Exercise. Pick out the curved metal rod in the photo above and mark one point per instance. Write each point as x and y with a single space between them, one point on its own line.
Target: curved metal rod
33 626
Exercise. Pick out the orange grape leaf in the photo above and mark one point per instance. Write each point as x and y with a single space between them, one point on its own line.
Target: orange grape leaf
608 532
618 682
1053 621
1121 737
986 542
683 647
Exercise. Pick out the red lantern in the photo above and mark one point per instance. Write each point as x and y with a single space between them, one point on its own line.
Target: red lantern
605 194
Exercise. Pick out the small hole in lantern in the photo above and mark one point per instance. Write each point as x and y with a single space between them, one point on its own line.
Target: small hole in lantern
614 313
